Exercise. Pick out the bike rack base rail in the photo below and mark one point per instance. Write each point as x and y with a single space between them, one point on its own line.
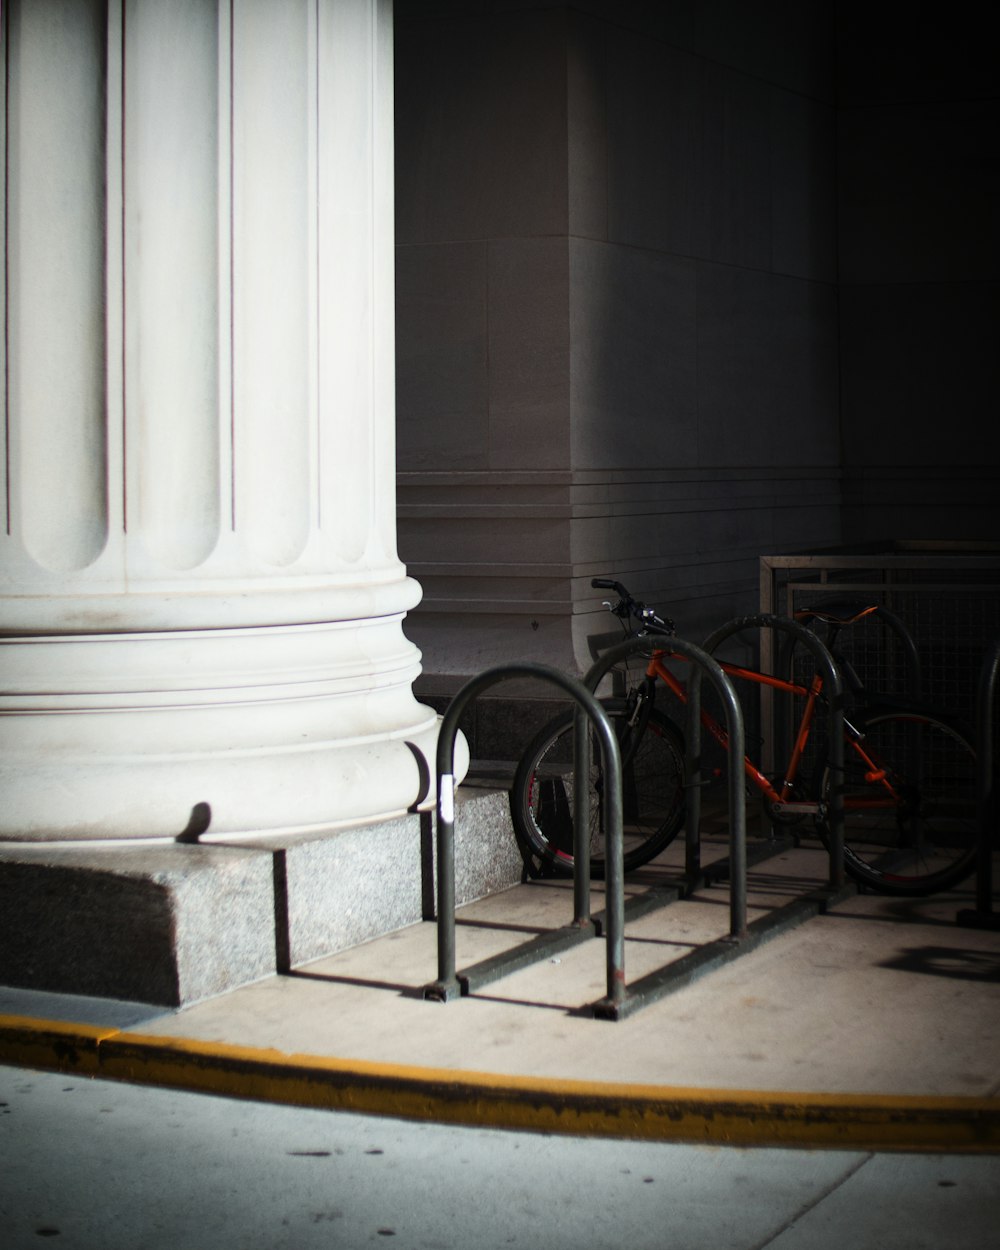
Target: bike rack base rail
684 971
982 916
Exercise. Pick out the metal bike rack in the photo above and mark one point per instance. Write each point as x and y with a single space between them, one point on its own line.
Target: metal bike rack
835 697
983 916
621 1000
692 778
743 938
450 984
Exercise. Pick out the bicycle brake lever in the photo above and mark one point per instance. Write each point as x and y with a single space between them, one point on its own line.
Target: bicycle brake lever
649 617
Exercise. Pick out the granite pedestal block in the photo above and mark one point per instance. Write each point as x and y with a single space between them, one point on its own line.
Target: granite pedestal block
166 925
337 891
179 922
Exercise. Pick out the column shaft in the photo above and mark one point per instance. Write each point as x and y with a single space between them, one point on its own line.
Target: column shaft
201 599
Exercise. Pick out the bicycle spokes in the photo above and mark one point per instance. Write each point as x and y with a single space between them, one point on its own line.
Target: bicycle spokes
910 805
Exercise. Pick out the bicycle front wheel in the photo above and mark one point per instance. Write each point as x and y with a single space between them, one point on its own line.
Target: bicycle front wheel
910 804
652 792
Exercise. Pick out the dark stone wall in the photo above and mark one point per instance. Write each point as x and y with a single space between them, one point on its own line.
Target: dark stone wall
918 199
679 285
617 339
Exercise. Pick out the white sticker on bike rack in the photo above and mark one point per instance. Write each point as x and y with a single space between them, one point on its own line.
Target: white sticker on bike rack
446 798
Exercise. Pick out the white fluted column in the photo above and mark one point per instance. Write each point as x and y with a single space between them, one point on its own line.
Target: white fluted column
202 604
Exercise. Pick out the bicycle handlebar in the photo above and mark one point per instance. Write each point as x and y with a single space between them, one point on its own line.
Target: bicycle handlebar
627 606
607 583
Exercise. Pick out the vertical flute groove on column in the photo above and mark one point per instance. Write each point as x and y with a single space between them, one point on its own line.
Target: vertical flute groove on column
114 286
347 362
271 296
383 520
225 267
315 427
55 245
172 348
4 433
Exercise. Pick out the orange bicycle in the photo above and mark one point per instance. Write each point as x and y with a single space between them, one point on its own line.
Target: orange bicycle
909 786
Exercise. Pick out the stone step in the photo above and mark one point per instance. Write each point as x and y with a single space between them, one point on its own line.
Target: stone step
175 923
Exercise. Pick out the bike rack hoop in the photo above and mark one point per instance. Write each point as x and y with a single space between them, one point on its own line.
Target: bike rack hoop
835 701
448 984
704 665
671 976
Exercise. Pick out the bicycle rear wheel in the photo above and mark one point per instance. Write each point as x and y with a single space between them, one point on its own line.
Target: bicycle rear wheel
652 792
910 822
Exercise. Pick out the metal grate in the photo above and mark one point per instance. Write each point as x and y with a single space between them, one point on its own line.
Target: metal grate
945 598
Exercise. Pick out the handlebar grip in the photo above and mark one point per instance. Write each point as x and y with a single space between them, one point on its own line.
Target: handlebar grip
606 583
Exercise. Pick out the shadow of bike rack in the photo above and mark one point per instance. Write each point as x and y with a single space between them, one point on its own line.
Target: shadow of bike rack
982 916
451 984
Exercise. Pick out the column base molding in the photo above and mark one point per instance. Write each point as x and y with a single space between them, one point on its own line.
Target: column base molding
217 733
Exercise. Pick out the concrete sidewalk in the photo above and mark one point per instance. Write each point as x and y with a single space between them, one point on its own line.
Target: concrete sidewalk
873 1026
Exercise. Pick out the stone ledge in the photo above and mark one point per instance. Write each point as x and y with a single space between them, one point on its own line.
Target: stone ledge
165 925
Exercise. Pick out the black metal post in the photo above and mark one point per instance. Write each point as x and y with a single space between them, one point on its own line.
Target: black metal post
737 791
692 782
983 917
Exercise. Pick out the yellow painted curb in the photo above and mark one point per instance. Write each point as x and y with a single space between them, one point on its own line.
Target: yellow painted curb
584 1108
30 1043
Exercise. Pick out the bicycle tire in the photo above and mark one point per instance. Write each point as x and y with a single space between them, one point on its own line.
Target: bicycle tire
926 841
652 792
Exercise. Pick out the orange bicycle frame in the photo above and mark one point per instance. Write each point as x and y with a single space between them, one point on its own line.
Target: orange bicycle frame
658 671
